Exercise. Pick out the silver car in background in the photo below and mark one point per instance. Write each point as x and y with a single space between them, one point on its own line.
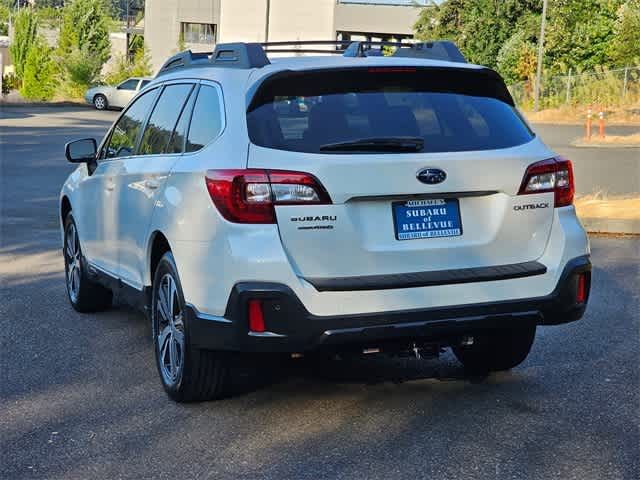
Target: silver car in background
107 96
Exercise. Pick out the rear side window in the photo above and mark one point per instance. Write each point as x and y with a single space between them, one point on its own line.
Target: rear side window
450 110
125 132
206 121
128 85
163 119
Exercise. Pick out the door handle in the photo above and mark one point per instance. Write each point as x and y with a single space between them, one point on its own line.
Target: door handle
110 185
151 183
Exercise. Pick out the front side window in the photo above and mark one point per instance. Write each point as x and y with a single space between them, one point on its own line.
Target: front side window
385 110
206 121
125 132
128 85
163 119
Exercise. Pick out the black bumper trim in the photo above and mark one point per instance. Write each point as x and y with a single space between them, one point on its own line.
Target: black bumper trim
297 330
428 279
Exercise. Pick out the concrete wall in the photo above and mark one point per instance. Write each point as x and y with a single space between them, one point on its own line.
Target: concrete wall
375 18
161 30
244 21
302 20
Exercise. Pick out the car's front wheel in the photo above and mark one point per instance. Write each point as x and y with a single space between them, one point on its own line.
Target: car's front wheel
497 350
188 374
100 102
84 294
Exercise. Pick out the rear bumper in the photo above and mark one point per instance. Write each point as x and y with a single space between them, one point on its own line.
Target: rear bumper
291 328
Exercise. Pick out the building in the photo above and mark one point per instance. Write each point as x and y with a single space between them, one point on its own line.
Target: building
171 25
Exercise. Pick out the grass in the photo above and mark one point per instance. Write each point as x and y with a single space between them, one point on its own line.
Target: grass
599 205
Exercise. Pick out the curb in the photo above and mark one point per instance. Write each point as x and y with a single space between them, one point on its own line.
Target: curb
611 225
601 145
43 104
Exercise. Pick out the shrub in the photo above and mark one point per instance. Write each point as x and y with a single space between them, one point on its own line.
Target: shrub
25 31
78 69
39 80
9 82
123 68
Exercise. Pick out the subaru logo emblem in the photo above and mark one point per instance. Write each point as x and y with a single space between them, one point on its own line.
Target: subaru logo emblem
431 176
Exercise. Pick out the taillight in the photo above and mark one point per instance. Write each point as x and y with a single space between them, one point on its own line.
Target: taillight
249 196
553 175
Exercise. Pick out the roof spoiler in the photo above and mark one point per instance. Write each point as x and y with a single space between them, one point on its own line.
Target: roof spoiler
254 55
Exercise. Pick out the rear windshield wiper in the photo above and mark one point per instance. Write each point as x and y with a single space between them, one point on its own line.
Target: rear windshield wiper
377 144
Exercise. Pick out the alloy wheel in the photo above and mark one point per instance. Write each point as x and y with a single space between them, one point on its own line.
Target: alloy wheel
170 328
99 102
73 262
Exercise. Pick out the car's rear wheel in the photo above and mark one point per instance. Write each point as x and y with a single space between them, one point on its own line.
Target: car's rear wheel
497 350
188 374
84 294
100 102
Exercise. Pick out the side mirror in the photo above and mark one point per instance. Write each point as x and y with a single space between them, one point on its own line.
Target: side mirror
81 151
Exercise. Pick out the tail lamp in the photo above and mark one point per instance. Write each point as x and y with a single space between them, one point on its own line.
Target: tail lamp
553 175
250 195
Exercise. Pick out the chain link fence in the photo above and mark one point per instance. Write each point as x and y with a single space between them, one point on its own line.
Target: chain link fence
609 88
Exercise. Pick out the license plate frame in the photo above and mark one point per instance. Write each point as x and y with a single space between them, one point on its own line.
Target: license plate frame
452 214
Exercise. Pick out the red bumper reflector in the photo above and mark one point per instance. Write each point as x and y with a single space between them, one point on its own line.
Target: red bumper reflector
581 291
256 317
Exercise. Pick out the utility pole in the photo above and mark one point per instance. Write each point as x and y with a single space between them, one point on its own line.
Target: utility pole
543 23
266 22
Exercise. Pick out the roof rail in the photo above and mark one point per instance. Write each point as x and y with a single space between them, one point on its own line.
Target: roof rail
438 50
254 55
297 46
227 55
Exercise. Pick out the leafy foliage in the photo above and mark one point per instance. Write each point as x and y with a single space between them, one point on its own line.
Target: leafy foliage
9 82
39 82
84 45
123 68
26 29
580 34
479 27
625 46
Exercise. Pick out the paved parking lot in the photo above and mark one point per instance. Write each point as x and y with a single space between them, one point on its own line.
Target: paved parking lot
80 398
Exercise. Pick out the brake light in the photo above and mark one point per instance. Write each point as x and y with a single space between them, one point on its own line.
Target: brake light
250 196
553 175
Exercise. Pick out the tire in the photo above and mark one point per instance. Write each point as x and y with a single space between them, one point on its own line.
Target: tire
100 102
187 374
498 350
84 294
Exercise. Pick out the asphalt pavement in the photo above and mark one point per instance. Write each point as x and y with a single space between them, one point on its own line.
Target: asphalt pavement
80 397
608 171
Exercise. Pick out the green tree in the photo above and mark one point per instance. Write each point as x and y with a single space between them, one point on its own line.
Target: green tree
579 33
480 28
85 31
25 31
624 49
39 82
513 58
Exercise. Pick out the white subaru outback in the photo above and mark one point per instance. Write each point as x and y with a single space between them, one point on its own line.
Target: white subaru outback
348 203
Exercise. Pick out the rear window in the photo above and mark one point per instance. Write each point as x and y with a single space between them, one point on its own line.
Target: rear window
451 110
